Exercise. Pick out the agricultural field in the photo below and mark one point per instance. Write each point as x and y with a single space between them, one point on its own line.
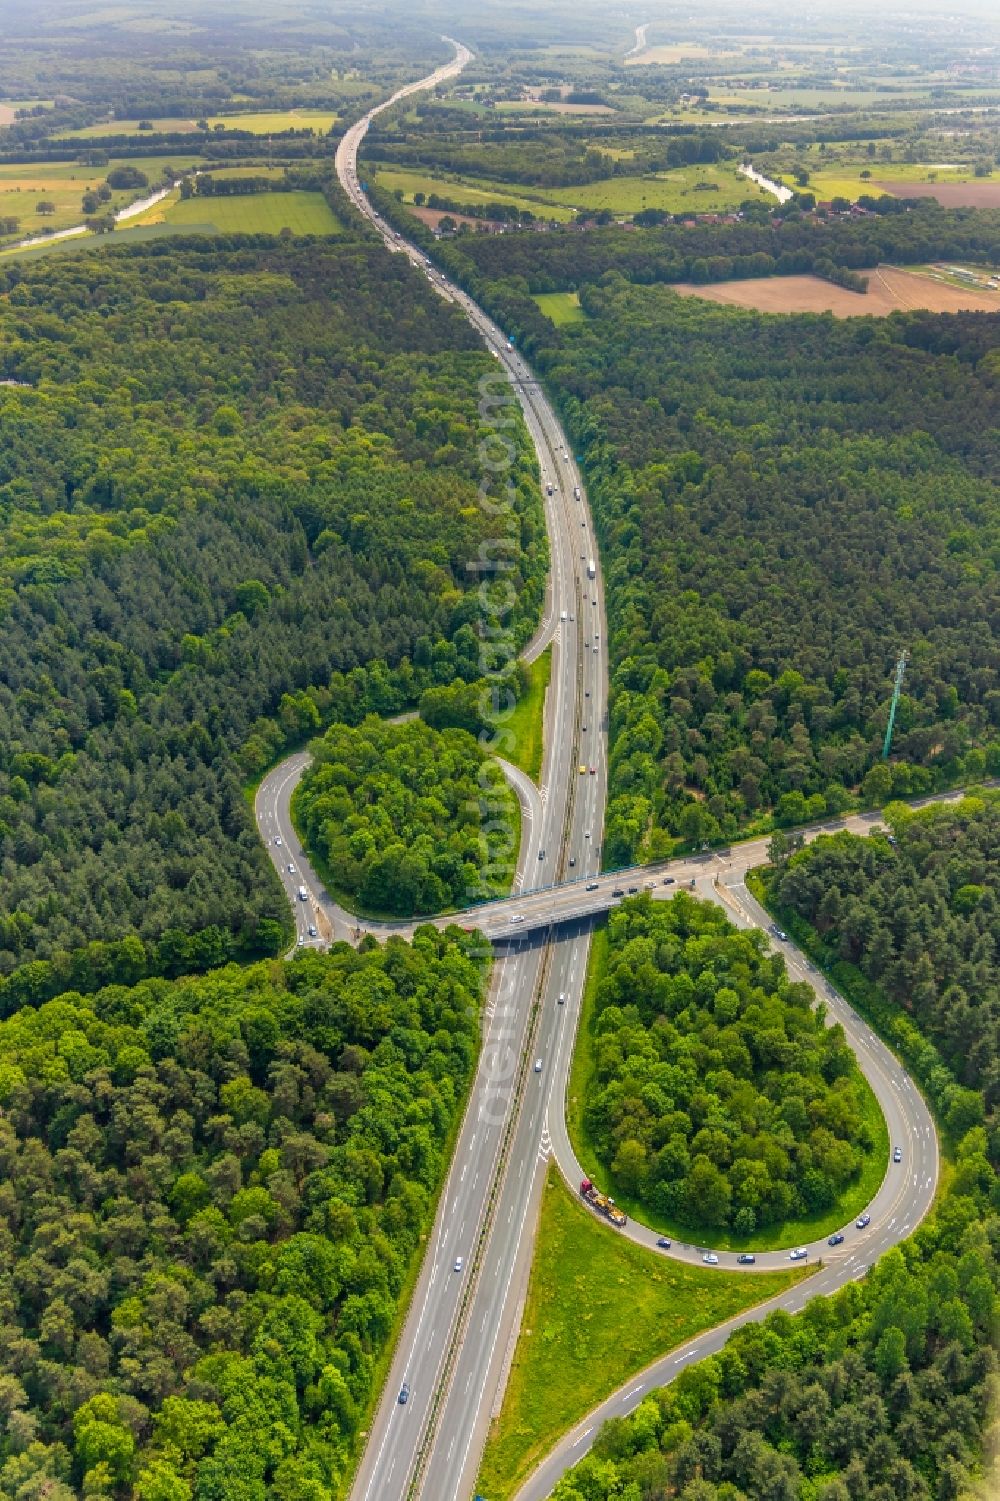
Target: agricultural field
678 52
63 184
850 178
256 213
10 107
561 307
890 290
551 107
599 1309
973 193
262 123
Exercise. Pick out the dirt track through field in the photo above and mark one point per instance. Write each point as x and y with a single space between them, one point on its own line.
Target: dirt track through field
889 291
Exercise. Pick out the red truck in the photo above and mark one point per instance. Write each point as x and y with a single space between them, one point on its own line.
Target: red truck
602 1204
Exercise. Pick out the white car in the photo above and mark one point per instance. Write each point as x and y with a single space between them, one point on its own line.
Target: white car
517 917
799 1254
291 869
538 1065
710 1258
459 1263
277 838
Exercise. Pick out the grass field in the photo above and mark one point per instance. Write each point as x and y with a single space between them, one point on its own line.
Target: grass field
599 1309
256 213
464 191
64 184
525 723
561 307
675 192
88 242
263 123
790 1232
844 180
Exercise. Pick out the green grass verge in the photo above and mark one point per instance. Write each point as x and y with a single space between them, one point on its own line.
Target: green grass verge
526 722
788 1232
599 1309
560 307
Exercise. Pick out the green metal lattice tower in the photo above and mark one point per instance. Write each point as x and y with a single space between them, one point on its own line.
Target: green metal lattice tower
896 690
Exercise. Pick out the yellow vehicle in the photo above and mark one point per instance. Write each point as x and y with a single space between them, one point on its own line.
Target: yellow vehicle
583 771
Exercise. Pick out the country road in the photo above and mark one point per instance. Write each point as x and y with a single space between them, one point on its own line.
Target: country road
464 1310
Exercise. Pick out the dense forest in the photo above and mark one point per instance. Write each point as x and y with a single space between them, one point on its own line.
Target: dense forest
784 504
406 819
213 1191
238 498
919 918
720 1098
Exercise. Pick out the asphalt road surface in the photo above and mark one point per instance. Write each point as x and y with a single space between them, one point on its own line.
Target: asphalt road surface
461 1321
465 1311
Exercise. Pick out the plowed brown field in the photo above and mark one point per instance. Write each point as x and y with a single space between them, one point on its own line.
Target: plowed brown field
979 193
889 291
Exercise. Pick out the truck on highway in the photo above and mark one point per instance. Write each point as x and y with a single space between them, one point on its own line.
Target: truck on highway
602 1204
591 569
303 894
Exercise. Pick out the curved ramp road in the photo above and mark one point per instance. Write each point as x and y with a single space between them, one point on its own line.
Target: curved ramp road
464 1313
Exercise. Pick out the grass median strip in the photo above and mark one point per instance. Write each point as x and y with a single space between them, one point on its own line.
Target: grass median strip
599 1309
525 722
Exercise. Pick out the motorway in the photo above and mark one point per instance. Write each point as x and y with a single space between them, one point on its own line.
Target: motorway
463 1318
454 1342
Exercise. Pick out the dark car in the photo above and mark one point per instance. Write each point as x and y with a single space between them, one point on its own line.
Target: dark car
404 1394
863 1221
668 880
632 890
836 1240
618 891
541 854
664 1244
746 1258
